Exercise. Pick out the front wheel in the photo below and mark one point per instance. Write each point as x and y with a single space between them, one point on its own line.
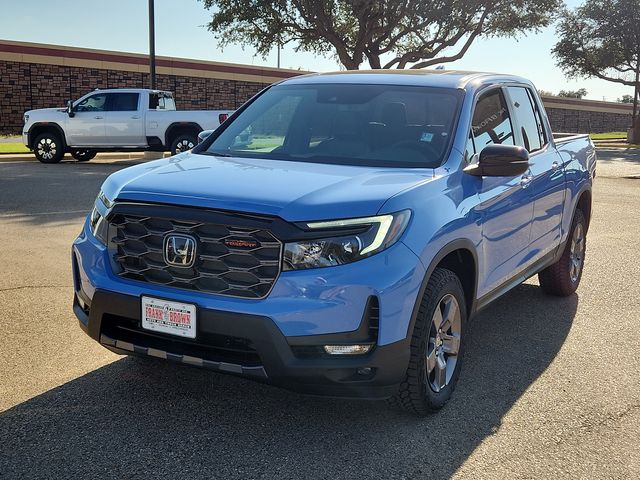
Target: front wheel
48 148
436 346
563 277
83 155
183 143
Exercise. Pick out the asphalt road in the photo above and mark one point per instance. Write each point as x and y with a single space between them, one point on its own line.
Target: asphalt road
550 387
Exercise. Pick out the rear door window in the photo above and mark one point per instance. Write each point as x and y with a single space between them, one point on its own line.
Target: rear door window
531 134
123 102
161 101
491 121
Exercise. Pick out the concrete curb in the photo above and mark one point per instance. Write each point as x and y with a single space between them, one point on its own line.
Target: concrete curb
617 146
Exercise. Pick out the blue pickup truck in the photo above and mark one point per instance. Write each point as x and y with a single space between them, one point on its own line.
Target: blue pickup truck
337 233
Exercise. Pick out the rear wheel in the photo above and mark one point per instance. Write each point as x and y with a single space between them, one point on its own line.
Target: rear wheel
563 277
48 147
436 346
83 155
183 143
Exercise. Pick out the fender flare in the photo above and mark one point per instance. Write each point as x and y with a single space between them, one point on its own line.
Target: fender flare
168 137
459 244
46 125
587 187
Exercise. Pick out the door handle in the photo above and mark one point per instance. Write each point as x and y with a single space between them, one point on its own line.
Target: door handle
525 181
555 165
136 117
98 117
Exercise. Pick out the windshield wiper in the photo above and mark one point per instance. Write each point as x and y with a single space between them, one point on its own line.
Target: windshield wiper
217 154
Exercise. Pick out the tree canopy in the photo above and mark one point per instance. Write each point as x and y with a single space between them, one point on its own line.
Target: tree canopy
601 39
581 92
385 33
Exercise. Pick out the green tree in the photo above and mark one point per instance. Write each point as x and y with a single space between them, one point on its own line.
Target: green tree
601 39
573 93
626 99
386 33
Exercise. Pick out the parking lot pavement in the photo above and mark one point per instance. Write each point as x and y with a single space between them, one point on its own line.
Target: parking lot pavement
549 388
618 162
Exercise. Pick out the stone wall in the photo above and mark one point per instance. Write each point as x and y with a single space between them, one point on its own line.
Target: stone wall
587 116
584 121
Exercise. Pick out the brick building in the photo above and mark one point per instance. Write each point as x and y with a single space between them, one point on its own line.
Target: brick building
37 76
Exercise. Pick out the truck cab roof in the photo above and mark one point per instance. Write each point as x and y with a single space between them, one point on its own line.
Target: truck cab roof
129 90
424 77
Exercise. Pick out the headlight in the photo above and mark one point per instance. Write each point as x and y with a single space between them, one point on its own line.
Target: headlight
376 234
97 222
26 118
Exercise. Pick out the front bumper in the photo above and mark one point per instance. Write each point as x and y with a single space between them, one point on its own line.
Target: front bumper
305 310
266 355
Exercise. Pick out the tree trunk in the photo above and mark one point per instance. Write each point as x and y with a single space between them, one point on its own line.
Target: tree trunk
635 98
374 60
635 125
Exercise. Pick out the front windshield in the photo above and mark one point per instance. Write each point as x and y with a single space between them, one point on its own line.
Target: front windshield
350 124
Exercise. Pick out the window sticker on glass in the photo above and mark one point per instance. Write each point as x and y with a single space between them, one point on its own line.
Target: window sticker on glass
426 137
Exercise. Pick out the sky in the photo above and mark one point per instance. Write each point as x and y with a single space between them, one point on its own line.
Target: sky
122 25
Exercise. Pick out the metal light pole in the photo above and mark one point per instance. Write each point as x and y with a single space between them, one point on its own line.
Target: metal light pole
152 46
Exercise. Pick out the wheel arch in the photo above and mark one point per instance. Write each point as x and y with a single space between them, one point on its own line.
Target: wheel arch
41 127
461 258
584 204
178 128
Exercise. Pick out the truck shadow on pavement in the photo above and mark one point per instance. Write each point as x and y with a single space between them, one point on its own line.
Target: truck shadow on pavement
136 417
614 155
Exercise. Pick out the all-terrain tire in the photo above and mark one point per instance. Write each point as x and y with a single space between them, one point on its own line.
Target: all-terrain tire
563 277
416 393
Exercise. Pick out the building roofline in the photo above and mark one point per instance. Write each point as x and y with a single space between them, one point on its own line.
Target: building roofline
29 52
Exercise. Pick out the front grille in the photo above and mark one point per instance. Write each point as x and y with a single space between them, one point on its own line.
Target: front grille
246 266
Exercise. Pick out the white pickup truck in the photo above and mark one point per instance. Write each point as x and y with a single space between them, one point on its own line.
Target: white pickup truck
115 120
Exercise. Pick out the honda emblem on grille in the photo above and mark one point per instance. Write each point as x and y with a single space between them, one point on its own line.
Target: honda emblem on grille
179 250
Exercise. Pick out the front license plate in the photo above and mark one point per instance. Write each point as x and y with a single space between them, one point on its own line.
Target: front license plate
174 318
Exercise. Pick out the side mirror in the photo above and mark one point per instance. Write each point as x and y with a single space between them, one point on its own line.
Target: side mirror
500 161
70 111
202 136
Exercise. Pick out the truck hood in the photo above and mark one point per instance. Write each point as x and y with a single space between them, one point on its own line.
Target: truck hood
46 110
294 191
